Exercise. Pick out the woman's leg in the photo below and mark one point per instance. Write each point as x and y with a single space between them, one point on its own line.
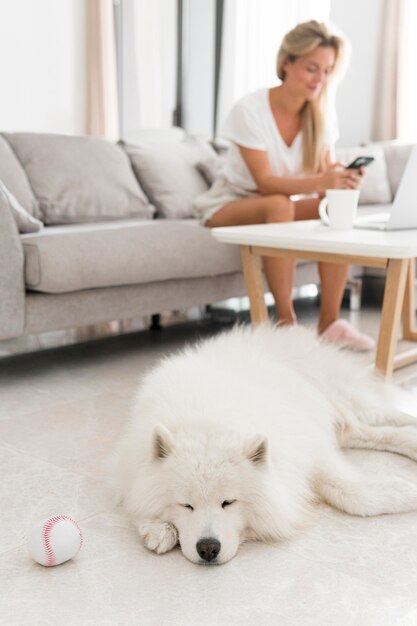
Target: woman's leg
279 272
333 276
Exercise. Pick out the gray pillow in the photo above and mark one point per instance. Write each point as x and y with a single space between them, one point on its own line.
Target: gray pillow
210 169
168 173
25 222
376 187
14 177
80 179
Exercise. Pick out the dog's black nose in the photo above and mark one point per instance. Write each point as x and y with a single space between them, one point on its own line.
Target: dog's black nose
208 548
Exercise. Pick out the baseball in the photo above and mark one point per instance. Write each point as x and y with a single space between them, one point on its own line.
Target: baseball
54 540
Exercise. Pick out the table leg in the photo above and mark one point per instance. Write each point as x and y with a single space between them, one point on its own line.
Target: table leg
252 271
391 313
409 308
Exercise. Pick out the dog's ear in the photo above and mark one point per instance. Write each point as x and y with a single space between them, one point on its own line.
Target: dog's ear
257 449
162 442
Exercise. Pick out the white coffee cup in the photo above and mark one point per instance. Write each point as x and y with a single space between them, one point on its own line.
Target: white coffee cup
338 209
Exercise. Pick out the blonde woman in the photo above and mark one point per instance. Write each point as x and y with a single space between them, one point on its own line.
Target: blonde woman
282 146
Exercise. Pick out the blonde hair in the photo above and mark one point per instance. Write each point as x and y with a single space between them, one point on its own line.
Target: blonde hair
301 40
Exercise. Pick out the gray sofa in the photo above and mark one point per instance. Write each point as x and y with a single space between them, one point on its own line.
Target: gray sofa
118 239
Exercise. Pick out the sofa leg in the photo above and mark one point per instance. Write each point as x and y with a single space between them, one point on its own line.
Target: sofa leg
155 322
355 286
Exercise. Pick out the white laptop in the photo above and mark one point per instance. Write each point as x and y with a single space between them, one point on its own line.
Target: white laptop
403 213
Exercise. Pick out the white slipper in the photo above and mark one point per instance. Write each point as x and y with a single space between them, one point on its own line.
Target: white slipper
345 335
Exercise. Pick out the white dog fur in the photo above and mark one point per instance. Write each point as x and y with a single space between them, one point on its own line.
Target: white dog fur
236 438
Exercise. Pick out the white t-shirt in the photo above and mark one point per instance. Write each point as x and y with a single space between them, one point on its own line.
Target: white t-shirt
251 124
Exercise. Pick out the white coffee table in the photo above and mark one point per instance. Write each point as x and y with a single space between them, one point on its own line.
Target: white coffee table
395 251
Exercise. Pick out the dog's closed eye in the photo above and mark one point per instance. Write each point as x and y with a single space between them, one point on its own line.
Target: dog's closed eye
188 506
227 503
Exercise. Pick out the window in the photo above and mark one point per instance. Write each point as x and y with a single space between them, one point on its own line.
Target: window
252 32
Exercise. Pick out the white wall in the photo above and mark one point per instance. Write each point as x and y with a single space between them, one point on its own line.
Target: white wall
361 22
42 65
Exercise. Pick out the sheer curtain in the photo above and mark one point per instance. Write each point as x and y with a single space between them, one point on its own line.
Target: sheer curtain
252 32
149 28
407 76
387 94
102 106
396 86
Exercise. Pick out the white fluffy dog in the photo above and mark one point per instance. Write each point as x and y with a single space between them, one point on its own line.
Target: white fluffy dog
234 440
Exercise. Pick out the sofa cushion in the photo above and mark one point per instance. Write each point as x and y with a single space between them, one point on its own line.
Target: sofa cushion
80 179
168 173
376 187
70 258
25 222
14 177
12 287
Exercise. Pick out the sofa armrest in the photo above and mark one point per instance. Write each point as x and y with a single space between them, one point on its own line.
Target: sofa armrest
12 285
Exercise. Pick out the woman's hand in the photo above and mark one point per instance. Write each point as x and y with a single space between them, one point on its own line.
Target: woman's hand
338 177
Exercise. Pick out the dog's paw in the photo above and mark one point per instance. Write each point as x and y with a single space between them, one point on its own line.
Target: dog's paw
157 536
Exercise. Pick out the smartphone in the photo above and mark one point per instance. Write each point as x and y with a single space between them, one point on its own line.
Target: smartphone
361 161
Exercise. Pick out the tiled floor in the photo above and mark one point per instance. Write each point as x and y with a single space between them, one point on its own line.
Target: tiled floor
60 412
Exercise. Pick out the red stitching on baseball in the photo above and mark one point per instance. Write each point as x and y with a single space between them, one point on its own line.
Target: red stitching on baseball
46 536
